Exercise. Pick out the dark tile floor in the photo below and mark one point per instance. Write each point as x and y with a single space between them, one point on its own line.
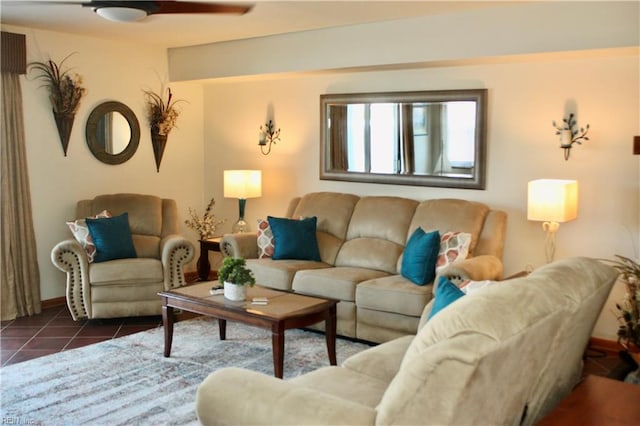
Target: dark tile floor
54 330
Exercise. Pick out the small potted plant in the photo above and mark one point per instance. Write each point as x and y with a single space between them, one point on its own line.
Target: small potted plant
236 276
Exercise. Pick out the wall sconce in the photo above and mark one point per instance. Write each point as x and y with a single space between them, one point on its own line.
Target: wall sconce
268 136
569 134
242 184
552 201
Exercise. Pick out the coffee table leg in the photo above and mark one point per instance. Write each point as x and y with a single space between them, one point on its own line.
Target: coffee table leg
330 335
277 341
167 323
222 328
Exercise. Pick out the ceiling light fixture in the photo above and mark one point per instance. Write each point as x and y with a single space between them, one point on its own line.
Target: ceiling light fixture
121 14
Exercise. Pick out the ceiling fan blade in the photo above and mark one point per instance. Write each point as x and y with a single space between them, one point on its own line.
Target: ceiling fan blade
197 7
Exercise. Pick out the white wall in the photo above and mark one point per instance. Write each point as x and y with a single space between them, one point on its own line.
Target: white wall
111 71
525 96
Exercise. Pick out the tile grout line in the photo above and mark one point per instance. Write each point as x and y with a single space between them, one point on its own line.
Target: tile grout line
30 338
64 348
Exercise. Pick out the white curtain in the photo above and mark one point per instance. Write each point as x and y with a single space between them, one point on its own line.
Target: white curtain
20 287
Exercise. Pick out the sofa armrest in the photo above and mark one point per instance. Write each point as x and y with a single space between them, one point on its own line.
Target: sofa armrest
70 257
234 396
484 267
382 361
243 244
176 251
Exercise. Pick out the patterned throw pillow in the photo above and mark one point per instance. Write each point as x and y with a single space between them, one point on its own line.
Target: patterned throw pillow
80 232
453 246
266 245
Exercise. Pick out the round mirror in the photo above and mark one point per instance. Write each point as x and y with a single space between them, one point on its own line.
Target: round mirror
112 132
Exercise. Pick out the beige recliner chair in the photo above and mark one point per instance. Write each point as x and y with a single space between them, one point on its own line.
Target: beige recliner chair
126 287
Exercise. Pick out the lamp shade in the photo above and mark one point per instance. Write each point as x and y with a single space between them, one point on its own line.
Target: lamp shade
552 200
242 184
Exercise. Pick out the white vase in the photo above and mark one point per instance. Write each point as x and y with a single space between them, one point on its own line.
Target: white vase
235 292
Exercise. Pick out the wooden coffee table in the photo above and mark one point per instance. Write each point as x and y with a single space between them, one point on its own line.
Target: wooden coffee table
283 311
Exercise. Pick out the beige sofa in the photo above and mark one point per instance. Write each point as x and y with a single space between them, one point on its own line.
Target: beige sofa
504 355
361 242
126 287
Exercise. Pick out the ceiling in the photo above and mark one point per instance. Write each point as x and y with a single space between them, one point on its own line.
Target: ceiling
266 18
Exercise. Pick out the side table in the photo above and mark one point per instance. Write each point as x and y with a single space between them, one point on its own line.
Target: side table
597 401
204 267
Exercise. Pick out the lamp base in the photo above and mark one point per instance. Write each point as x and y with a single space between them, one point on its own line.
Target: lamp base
240 226
550 244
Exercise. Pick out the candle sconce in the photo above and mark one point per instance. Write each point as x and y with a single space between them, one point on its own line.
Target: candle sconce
569 134
268 135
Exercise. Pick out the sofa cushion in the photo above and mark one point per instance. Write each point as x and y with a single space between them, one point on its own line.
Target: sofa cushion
333 211
125 271
377 233
147 245
393 294
345 384
294 239
419 257
337 282
381 361
145 211
279 274
447 215
112 237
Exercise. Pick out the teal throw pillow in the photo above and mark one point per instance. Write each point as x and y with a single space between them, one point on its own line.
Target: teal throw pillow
294 239
446 293
420 257
112 238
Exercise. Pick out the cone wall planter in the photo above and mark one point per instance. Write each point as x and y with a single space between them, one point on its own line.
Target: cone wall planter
64 122
159 142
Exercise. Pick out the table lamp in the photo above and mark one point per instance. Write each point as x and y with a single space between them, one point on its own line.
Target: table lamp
242 184
552 201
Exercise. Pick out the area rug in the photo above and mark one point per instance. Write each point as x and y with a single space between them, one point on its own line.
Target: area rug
127 381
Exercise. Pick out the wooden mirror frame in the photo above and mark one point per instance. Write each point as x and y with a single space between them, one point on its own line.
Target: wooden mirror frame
476 180
91 132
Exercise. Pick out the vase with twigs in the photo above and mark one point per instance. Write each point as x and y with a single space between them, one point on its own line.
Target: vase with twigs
162 115
65 92
206 224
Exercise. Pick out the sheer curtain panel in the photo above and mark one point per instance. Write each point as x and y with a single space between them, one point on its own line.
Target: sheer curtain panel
20 287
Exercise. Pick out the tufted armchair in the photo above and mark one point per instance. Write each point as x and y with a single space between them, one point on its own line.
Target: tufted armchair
126 287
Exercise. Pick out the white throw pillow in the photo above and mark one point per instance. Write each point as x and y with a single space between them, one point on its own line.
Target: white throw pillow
80 232
453 246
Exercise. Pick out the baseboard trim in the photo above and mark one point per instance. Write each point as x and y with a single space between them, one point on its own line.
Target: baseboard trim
52 303
191 277
610 346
